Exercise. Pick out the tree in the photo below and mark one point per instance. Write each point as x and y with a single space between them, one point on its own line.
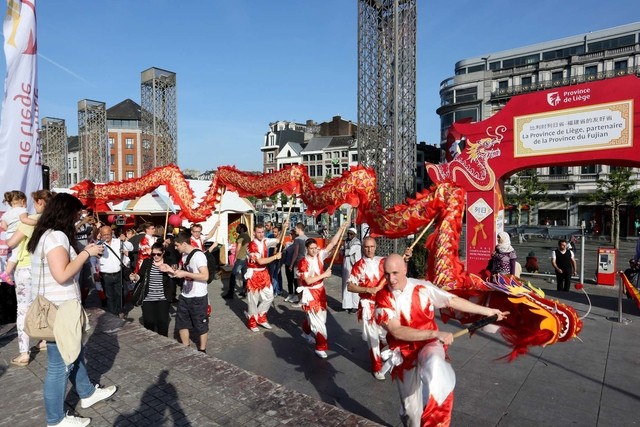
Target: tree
524 190
615 190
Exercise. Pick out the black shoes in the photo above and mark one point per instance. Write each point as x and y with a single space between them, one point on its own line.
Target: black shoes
227 296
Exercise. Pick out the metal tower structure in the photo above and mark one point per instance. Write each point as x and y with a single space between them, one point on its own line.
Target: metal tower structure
159 118
94 141
387 99
53 136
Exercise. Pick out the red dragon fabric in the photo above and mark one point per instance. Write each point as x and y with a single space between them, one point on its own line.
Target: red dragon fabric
534 320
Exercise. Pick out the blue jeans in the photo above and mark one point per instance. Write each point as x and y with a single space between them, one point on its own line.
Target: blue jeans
239 267
275 271
55 382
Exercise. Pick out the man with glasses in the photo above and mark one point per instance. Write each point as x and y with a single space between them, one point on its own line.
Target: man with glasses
113 258
197 240
311 274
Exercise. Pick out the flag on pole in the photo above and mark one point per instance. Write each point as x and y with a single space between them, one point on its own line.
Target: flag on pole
20 152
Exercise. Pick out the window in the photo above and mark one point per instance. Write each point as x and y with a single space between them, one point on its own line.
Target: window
336 154
558 170
523 60
470 113
305 158
468 94
620 67
612 43
111 143
112 160
354 157
272 140
556 76
75 178
588 169
128 143
503 84
75 162
345 154
563 53
526 81
476 68
336 171
319 169
129 174
311 171
112 175
591 72
129 159
270 157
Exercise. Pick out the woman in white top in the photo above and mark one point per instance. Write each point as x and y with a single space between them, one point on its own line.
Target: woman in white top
56 261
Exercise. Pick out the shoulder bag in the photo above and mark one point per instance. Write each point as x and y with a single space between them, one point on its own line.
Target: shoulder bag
41 315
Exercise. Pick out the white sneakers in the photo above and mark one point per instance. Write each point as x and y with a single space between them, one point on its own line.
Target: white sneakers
255 329
71 421
321 354
265 325
378 375
97 396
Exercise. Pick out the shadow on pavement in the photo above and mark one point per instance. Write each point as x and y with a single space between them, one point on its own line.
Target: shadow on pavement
102 347
318 372
154 403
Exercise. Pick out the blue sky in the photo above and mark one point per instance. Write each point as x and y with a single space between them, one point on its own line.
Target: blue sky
242 64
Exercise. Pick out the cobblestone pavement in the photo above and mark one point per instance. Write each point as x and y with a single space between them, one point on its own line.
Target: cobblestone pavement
274 378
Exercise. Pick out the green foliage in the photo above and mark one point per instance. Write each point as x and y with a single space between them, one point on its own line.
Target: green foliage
418 262
615 190
525 189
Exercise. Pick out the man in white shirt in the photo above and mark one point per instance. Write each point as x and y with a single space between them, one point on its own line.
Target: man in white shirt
111 261
192 312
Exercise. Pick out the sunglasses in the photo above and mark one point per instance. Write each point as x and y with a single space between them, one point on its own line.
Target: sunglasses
156 254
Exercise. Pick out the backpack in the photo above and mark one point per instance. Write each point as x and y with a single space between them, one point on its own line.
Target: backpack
211 263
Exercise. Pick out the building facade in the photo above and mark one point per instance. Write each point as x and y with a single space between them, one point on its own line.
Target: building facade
482 86
125 136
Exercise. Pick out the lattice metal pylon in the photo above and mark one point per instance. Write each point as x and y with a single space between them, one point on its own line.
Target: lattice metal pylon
159 118
94 140
53 136
387 99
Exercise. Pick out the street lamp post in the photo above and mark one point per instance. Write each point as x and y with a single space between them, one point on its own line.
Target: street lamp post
567 198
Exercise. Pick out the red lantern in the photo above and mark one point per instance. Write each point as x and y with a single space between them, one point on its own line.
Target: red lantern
175 220
111 219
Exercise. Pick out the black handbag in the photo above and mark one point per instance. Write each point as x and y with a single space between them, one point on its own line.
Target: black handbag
138 292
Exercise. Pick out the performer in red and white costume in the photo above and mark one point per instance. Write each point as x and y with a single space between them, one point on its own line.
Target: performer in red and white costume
405 308
259 289
311 274
146 242
365 279
197 239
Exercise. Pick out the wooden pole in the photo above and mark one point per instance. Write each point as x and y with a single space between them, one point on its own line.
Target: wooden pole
166 223
333 258
421 234
282 232
215 237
